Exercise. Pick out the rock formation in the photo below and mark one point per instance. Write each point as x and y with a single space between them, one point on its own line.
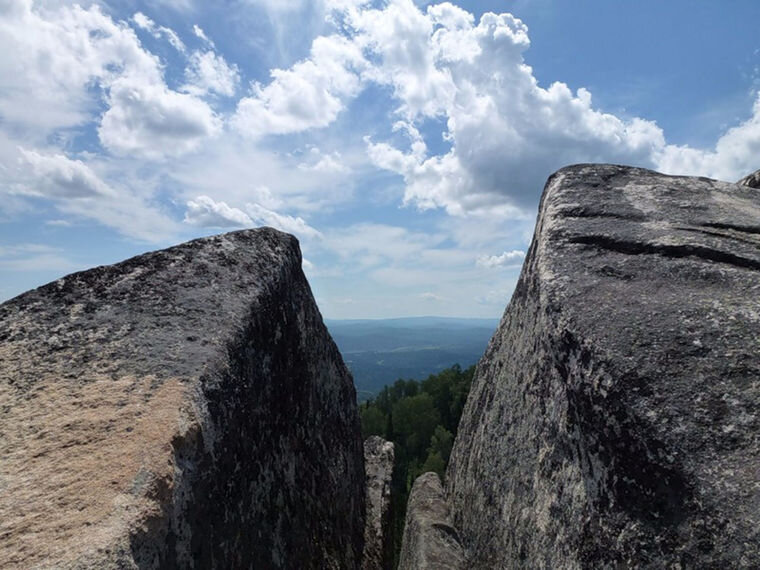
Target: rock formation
430 542
378 466
614 420
751 180
185 408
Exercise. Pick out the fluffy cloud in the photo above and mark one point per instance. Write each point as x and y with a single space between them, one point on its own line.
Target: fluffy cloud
50 58
508 258
152 121
143 22
58 176
54 57
84 190
208 72
309 95
506 132
200 34
317 161
206 213
735 154
294 225
399 36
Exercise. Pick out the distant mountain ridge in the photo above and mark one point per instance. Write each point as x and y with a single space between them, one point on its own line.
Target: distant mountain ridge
379 351
418 321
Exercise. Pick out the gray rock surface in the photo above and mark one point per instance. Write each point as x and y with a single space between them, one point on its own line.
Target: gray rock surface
378 466
614 421
185 408
751 180
429 542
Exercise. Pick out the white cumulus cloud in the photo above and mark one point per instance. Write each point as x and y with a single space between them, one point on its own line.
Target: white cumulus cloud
206 213
152 121
736 154
508 258
506 132
60 63
309 95
61 177
292 224
208 72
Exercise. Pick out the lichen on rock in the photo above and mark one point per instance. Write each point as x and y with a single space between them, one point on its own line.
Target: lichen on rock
430 541
378 465
613 420
184 408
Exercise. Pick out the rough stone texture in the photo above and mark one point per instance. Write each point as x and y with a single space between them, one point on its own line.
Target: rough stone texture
429 542
752 180
614 419
185 408
378 466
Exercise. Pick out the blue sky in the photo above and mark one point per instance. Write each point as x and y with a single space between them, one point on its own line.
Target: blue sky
405 143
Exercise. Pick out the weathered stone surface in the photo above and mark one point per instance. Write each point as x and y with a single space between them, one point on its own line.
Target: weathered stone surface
614 420
185 408
429 542
378 466
751 180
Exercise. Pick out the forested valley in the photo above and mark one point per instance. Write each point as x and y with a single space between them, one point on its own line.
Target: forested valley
421 419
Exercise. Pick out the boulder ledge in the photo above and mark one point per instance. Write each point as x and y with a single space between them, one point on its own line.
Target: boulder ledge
378 464
751 180
614 421
429 542
185 408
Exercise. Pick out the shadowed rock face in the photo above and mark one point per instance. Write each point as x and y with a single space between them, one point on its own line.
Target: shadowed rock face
613 421
184 408
430 542
378 464
751 180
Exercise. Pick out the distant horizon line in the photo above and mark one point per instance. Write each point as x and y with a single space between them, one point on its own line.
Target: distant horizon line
416 317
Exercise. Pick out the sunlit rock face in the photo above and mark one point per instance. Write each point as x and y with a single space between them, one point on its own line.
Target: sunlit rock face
185 408
613 421
429 542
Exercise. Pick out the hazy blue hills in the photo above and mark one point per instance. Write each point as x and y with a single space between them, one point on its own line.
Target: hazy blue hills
379 351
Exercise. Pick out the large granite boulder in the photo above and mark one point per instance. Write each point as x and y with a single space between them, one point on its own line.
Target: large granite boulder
614 421
378 467
185 408
751 180
429 542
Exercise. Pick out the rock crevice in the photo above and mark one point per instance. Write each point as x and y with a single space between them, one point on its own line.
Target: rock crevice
674 251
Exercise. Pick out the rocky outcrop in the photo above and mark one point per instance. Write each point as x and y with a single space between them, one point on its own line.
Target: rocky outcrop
378 466
613 421
751 180
430 542
185 408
